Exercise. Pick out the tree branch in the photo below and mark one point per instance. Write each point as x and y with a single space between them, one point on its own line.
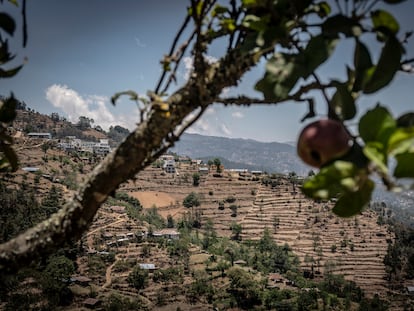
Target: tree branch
172 49
246 100
136 152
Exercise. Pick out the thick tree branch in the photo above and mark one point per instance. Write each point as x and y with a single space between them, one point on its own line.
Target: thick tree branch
137 151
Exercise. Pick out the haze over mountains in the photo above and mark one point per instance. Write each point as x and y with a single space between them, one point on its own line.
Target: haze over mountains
240 153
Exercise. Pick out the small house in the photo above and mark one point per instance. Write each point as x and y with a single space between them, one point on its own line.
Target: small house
40 135
147 266
276 278
91 303
167 233
257 173
30 169
203 170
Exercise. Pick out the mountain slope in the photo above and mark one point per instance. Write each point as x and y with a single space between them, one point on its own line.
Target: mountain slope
271 157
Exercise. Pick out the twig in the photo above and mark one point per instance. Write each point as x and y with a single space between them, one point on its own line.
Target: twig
181 53
172 49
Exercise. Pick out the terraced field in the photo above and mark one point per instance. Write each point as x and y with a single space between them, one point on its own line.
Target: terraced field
353 247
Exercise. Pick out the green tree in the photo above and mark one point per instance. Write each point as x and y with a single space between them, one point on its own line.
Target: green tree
84 123
266 242
55 277
52 201
45 147
170 221
138 278
196 179
217 163
243 287
236 230
209 236
191 200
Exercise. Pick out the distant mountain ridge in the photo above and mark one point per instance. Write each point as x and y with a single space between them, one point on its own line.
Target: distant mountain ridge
272 157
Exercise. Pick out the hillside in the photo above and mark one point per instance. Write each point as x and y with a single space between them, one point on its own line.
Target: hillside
252 240
270 157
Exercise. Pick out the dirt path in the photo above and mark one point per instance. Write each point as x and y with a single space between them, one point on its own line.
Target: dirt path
89 236
108 273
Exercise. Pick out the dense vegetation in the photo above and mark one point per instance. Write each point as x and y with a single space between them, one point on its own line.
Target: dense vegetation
21 208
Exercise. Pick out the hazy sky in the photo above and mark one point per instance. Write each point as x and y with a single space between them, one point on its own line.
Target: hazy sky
81 52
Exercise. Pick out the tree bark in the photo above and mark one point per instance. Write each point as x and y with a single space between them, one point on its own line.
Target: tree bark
136 152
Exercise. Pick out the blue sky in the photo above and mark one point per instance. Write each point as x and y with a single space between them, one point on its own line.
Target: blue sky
82 52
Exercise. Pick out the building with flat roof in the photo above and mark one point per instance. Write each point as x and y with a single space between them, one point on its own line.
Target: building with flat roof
40 135
169 166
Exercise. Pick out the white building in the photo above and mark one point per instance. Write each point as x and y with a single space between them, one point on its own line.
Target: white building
87 146
102 148
70 143
169 166
167 157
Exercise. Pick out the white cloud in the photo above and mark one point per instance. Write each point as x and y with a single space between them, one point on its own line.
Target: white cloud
237 115
225 130
139 43
92 106
210 124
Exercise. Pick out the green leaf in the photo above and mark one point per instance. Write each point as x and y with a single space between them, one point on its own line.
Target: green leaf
317 52
342 180
384 22
199 7
5 55
8 109
249 3
342 102
393 1
388 65
352 203
362 62
14 2
328 182
219 10
282 73
376 152
340 24
362 57
401 140
255 23
405 167
132 96
9 73
377 125
228 23
284 70
324 9
7 23
406 120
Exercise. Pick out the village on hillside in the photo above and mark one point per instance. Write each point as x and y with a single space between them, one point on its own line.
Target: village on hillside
190 235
